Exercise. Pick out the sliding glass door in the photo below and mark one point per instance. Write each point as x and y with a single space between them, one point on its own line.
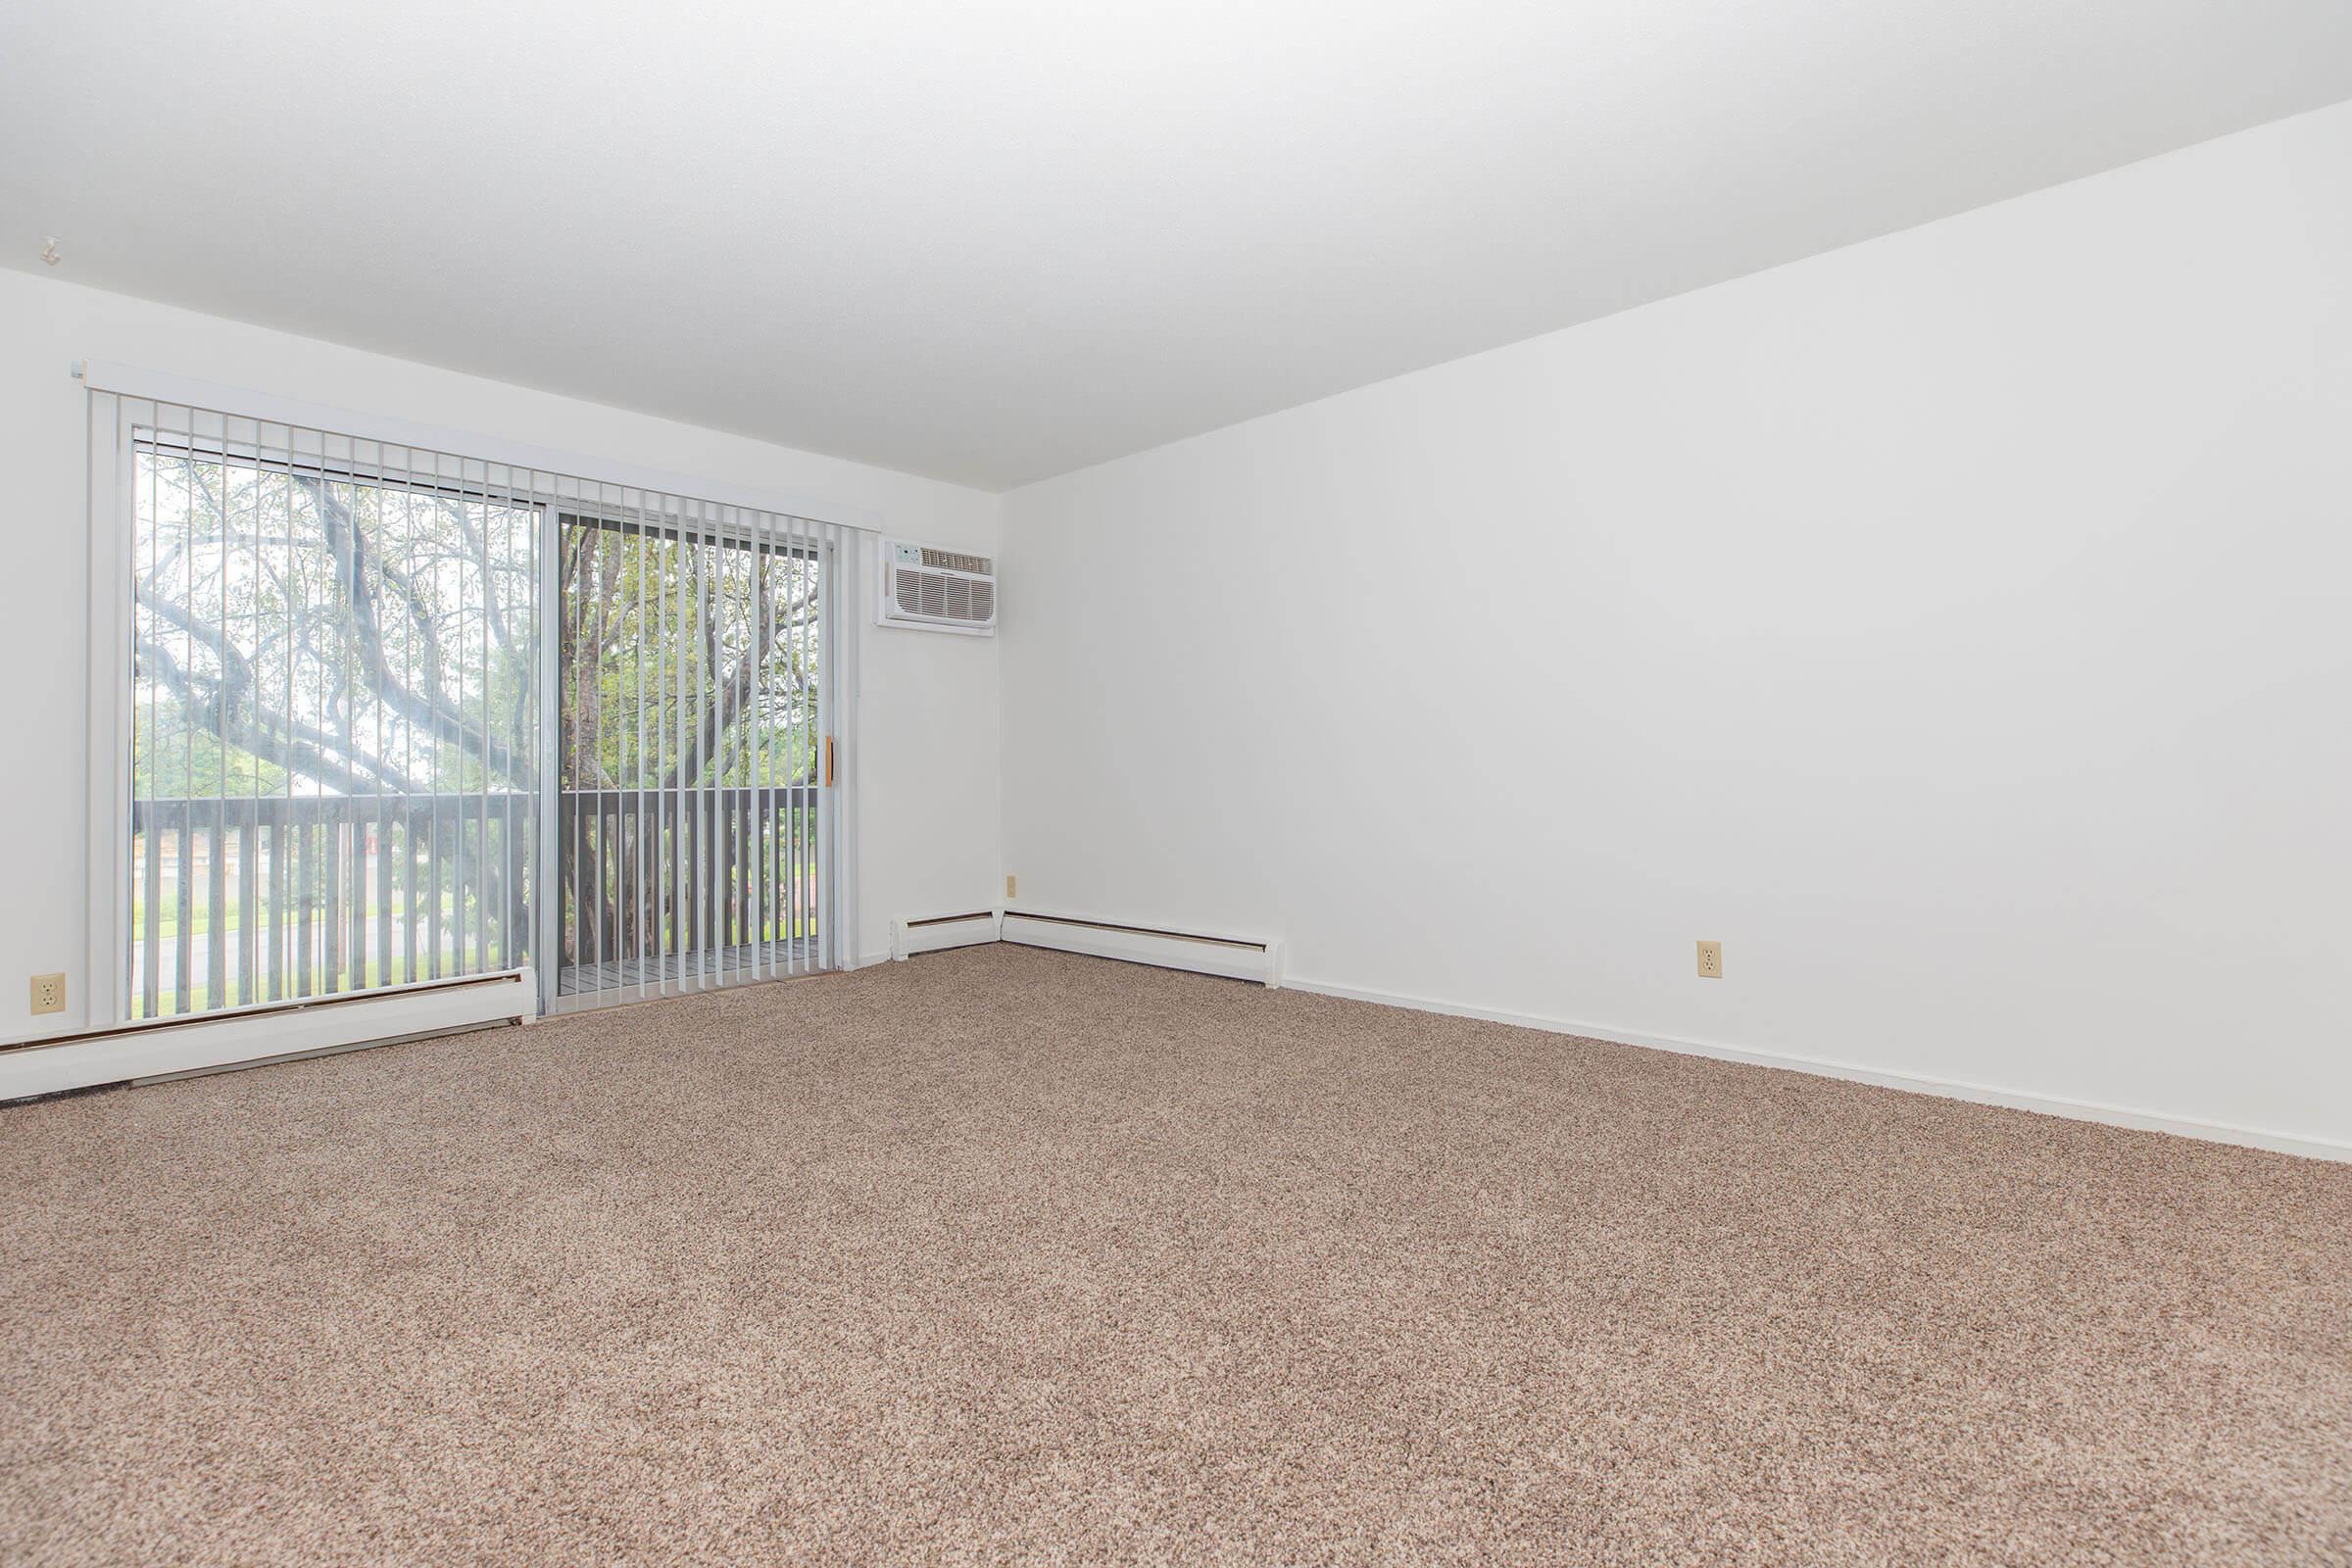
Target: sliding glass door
334 721
386 717
692 824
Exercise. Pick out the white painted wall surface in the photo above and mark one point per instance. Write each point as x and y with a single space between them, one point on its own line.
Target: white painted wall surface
1957 626
926 774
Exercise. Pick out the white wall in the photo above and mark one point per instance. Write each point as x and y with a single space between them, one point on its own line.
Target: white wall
926 771
1958 628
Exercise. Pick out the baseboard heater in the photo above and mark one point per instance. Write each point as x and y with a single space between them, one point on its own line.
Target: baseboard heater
1233 958
164 1047
932 933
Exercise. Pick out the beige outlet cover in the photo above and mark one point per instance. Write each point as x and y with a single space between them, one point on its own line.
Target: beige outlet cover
48 993
1710 961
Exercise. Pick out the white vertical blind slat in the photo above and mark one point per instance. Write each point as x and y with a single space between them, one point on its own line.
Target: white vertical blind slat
809 761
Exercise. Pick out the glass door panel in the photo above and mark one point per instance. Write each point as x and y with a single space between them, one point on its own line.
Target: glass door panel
688 750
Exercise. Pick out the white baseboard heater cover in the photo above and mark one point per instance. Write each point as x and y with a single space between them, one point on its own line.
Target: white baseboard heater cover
932 933
1233 958
202 1041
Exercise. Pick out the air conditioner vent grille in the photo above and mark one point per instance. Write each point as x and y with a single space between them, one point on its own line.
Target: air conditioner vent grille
922 592
936 590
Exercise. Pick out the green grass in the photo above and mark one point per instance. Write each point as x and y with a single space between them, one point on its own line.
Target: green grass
371 974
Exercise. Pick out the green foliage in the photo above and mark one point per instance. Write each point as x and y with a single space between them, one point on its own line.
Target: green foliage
685 663
171 759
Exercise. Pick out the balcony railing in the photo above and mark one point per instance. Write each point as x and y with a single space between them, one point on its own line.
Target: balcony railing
241 900
680 885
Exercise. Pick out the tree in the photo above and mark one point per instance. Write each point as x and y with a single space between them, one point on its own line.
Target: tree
304 633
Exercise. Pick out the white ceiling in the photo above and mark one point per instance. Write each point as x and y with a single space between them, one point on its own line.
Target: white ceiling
992 242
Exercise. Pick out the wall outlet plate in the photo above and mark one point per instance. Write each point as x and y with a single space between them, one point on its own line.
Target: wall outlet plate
1008 893
48 993
1710 961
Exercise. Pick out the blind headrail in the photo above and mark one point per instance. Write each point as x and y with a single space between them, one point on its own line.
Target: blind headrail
245 404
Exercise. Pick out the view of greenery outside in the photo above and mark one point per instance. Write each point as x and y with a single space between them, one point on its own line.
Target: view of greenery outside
688 687
336 729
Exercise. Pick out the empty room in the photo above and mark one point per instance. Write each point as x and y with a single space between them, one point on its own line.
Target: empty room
1145 783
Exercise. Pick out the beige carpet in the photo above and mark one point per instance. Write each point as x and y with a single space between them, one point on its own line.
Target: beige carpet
1006 1257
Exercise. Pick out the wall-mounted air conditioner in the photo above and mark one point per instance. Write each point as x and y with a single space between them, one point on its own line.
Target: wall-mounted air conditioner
936 590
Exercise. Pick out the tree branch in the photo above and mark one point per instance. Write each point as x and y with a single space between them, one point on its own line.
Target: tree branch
726 702
296 744
352 563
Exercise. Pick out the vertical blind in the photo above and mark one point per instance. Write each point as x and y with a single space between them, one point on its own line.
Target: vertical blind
395 716
692 759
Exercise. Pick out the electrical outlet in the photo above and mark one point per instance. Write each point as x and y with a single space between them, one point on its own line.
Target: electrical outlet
1710 961
1008 884
48 993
